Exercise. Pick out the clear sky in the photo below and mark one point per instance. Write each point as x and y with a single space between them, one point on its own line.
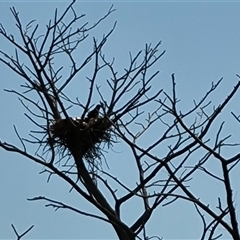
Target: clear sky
202 43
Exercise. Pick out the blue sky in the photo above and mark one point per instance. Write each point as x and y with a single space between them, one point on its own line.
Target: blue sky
202 43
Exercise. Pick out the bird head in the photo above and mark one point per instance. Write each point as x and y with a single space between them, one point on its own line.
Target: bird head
98 106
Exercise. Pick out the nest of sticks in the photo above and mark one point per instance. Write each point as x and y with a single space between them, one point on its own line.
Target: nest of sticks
82 136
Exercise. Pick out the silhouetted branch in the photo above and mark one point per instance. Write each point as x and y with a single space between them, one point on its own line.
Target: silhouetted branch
21 235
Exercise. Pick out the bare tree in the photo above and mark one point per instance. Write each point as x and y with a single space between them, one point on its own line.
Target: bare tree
73 147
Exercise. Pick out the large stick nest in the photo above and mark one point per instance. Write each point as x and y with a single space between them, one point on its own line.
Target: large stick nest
82 136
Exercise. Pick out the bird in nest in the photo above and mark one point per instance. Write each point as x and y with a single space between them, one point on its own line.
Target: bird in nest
94 113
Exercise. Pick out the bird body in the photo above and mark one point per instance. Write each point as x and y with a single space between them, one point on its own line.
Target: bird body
94 113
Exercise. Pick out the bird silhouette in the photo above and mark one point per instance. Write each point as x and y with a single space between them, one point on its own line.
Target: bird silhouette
94 113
